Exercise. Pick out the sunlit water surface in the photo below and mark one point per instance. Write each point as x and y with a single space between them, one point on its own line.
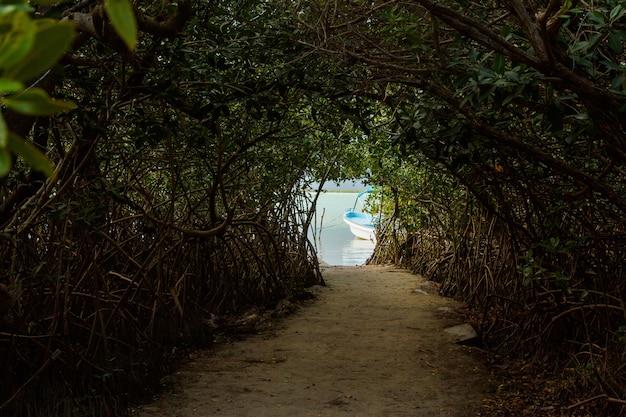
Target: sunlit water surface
335 244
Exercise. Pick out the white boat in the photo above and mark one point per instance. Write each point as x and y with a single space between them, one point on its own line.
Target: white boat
361 224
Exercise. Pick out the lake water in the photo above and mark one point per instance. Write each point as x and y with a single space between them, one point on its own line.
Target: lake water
335 244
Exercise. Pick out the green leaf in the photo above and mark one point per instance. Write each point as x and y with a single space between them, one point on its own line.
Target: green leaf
10 86
6 9
505 32
597 16
615 42
508 99
578 46
122 18
33 156
512 75
617 13
36 102
614 66
499 63
594 42
583 62
4 132
5 162
18 40
51 42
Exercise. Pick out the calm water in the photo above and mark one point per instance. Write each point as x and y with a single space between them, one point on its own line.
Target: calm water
336 245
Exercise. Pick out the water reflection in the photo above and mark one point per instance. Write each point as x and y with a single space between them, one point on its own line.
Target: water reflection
357 251
335 244
347 251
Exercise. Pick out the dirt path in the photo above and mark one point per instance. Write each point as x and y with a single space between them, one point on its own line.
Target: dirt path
372 345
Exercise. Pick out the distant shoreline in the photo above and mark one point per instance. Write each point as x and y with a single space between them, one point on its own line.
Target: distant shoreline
342 187
336 191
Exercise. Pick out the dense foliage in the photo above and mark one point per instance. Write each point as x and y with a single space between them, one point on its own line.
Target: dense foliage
178 200
509 115
495 129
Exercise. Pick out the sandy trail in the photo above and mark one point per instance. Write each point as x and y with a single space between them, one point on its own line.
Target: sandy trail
371 345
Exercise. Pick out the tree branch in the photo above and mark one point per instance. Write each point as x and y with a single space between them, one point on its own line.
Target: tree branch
513 141
97 25
475 30
170 27
530 29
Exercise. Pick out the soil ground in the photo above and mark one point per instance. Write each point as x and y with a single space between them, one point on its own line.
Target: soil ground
372 344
